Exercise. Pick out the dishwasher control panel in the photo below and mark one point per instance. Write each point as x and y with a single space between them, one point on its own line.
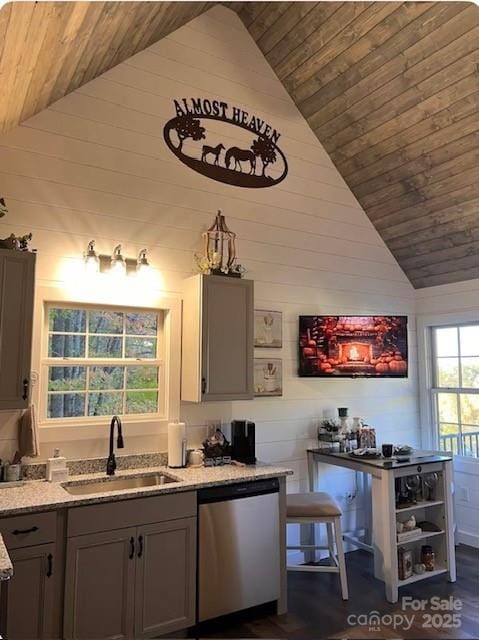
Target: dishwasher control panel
238 490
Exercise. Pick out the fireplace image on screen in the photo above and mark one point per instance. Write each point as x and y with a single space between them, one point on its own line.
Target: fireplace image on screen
350 346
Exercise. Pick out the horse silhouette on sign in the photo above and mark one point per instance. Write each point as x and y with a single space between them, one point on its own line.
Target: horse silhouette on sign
238 156
214 151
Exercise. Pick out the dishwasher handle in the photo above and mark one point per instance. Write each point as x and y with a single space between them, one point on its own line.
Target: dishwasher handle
238 490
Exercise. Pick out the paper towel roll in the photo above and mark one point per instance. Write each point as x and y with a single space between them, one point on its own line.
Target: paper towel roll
176 444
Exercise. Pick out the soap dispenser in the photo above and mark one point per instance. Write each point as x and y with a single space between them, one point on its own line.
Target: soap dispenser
57 470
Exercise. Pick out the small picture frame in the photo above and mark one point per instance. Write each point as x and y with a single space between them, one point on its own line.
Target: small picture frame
268 377
268 329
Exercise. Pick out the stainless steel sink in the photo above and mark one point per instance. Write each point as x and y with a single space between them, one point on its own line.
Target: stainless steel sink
117 484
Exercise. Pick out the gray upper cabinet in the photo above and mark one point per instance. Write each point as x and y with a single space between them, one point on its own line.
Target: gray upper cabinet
217 345
17 279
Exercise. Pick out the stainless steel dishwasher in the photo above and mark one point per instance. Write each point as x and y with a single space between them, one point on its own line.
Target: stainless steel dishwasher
239 549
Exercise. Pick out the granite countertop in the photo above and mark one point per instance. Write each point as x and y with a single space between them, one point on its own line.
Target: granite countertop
40 495
6 567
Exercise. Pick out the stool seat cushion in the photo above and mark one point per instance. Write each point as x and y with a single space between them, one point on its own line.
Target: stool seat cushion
315 504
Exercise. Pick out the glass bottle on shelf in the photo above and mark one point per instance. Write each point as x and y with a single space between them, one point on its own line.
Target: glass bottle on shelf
428 557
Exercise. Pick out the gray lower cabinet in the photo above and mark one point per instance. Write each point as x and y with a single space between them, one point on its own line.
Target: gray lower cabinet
165 578
30 600
30 593
137 582
117 570
100 585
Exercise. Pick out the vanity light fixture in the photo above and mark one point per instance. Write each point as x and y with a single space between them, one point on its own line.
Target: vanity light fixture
118 264
92 261
142 264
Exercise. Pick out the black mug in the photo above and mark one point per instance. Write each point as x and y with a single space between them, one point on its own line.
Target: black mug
387 450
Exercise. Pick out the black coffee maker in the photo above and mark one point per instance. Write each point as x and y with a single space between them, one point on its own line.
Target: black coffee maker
243 447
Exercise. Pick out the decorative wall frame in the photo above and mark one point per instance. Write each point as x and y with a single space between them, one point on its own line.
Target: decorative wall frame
268 329
268 377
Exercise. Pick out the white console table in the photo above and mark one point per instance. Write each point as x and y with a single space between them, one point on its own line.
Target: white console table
383 544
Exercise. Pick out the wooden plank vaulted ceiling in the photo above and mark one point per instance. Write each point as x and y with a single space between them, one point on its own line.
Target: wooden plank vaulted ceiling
391 89
48 49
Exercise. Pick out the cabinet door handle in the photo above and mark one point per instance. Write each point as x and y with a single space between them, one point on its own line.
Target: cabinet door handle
203 385
25 388
50 565
132 548
140 546
19 532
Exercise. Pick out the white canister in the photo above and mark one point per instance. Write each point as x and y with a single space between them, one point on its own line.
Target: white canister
177 444
13 472
195 458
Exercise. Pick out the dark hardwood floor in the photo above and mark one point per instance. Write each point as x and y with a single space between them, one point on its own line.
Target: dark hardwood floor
317 612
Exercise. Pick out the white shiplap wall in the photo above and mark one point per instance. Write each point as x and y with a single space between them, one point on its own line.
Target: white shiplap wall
94 164
455 303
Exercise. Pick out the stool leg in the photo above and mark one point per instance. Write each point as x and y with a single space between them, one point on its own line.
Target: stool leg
329 528
342 564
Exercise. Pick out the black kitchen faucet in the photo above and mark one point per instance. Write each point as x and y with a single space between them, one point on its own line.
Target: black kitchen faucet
111 462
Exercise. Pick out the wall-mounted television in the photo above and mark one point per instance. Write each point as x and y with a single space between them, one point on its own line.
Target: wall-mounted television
353 346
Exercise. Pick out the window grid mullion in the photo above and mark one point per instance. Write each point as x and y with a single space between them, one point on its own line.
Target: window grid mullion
124 390
123 353
87 396
459 357
459 424
87 345
458 397
87 355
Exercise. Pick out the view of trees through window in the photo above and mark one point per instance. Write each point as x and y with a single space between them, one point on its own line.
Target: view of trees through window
456 388
102 362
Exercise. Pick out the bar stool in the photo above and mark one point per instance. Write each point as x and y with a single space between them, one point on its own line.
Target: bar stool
319 508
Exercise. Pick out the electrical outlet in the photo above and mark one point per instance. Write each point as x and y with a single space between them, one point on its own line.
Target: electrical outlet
463 494
349 496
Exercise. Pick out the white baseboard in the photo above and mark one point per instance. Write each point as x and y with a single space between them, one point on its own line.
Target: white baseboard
469 538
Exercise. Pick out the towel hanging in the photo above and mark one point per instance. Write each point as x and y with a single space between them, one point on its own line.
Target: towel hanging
28 441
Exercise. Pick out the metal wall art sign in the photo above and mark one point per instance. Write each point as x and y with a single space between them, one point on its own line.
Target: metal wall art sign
201 136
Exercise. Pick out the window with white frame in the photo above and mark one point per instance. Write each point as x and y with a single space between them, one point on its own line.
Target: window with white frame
101 361
456 388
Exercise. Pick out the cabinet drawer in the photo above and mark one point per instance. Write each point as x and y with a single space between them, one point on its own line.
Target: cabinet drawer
419 467
29 530
129 513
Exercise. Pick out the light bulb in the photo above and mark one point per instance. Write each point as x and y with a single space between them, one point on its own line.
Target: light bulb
142 264
118 264
92 262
